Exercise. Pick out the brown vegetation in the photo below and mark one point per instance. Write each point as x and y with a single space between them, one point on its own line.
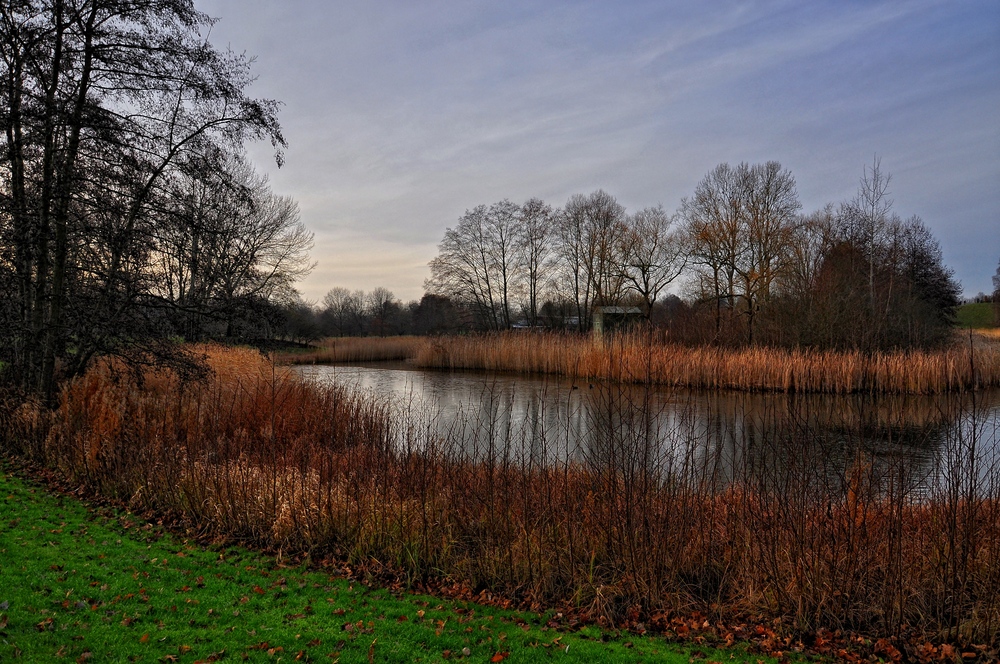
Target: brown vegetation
357 349
989 334
257 456
635 358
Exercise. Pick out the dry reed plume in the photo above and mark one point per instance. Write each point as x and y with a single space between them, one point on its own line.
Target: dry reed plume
257 456
633 358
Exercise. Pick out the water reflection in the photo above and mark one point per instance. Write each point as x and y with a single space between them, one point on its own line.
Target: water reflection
904 445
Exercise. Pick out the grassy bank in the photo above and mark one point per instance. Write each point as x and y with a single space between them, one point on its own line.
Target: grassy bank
977 315
79 585
633 358
624 536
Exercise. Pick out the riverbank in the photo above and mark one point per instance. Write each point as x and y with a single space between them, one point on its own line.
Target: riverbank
973 362
102 584
256 456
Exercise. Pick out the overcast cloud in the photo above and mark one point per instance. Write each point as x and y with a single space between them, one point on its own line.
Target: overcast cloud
402 114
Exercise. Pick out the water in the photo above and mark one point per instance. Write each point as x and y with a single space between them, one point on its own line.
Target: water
913 444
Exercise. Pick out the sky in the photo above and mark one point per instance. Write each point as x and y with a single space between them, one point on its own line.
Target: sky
402 114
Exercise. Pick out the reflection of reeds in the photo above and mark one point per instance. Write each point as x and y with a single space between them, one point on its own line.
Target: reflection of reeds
357 349
255 455
634 358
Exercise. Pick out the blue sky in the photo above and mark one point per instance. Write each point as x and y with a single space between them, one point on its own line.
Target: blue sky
402 114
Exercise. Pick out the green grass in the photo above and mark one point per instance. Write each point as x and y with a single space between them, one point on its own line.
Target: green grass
78 584
976 315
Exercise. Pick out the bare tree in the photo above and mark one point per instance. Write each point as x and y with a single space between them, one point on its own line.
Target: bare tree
868 214
537 227
501 238
653 252
483 261
103 99
224 241
380 304
815 234
344 311
713 220
590 229
604 260
571 230
771 205
463 268
740 226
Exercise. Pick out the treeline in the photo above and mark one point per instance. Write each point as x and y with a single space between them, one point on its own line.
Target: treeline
751 266
129 215
375 313
738 264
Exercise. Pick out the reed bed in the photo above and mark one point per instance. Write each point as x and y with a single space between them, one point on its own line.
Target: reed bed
625 536
637 358
357 349
990 334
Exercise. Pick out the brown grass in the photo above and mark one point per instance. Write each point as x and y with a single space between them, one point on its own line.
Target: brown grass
357 349
989 334
633 358
257 456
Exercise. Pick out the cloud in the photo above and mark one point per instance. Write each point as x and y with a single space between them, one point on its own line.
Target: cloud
401 115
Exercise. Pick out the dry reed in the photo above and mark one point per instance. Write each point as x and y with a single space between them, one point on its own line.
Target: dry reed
357 349
990 334
634 358
255 455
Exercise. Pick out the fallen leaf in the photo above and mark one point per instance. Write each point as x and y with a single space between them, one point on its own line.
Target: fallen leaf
500 656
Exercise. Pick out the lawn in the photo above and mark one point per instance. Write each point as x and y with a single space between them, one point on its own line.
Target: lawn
976 315
79 584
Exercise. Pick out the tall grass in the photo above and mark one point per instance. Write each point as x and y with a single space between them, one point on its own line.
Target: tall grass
636 358
357 349
834 538
989 334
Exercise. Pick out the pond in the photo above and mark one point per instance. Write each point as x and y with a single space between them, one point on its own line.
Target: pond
912 444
